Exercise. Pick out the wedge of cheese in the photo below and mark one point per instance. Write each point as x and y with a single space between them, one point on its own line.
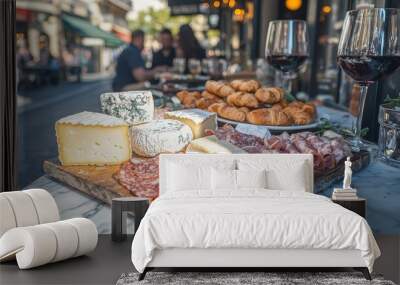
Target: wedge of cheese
198 120
92 139
212 144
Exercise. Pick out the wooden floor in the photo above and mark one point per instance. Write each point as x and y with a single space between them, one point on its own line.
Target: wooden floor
110 260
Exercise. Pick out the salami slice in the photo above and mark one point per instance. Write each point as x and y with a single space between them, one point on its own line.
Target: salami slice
140 177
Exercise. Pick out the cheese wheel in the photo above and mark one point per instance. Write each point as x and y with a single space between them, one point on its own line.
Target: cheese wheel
160 136
134 107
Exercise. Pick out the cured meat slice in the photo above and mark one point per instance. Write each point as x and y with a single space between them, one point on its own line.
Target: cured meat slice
229 134
140 177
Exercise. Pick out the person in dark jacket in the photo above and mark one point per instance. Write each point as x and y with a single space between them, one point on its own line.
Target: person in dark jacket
189 45
130 67
165 56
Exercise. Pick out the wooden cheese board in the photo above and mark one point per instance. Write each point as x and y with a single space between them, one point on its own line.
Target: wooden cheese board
99 182
96 181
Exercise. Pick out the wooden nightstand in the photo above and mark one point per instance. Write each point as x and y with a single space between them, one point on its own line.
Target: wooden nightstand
358 205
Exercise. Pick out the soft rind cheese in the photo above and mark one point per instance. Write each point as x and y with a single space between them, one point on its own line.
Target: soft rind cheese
160 136
89 138
134 107
198 120
213 145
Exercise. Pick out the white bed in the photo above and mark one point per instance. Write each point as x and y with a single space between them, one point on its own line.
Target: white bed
249 227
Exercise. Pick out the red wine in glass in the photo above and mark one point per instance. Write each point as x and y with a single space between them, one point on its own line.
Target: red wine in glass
286 63
368 69
369 49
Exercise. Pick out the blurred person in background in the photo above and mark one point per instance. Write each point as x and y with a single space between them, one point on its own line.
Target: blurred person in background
130 69
165 56
48 65
188 44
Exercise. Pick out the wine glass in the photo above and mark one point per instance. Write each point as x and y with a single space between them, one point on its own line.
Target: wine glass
179 65
369 48
286 47
194 66
204 66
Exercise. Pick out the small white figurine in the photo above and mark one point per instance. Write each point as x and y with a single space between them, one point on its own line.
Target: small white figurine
347 174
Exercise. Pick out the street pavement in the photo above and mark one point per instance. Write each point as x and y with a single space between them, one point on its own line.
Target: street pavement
36 117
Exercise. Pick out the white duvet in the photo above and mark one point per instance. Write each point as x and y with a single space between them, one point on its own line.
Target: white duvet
250 219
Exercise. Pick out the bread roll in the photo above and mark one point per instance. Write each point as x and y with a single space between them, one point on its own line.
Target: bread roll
268 116
269 95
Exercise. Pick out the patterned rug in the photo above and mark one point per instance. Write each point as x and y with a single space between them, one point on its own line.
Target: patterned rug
243 278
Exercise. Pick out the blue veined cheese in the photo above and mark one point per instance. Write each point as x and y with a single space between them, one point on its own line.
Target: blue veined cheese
89 138
134 107
198 120
160 136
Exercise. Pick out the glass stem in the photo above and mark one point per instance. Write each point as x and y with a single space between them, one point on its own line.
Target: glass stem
361 103
288 81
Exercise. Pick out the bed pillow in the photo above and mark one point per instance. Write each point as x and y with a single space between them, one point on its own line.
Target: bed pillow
182 177
230 180
283 174
294 179
223 179
194 176
251 178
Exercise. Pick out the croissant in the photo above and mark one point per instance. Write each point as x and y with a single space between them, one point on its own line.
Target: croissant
304 107
215 107
244 109
269 95
218 88
213 86
241 99
188 99
208 95
308 108
225 91
268 116
245 85
182 94
231 113
277 107
236 83
204 103
298 116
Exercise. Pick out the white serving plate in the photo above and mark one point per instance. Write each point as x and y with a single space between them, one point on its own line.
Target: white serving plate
293 128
